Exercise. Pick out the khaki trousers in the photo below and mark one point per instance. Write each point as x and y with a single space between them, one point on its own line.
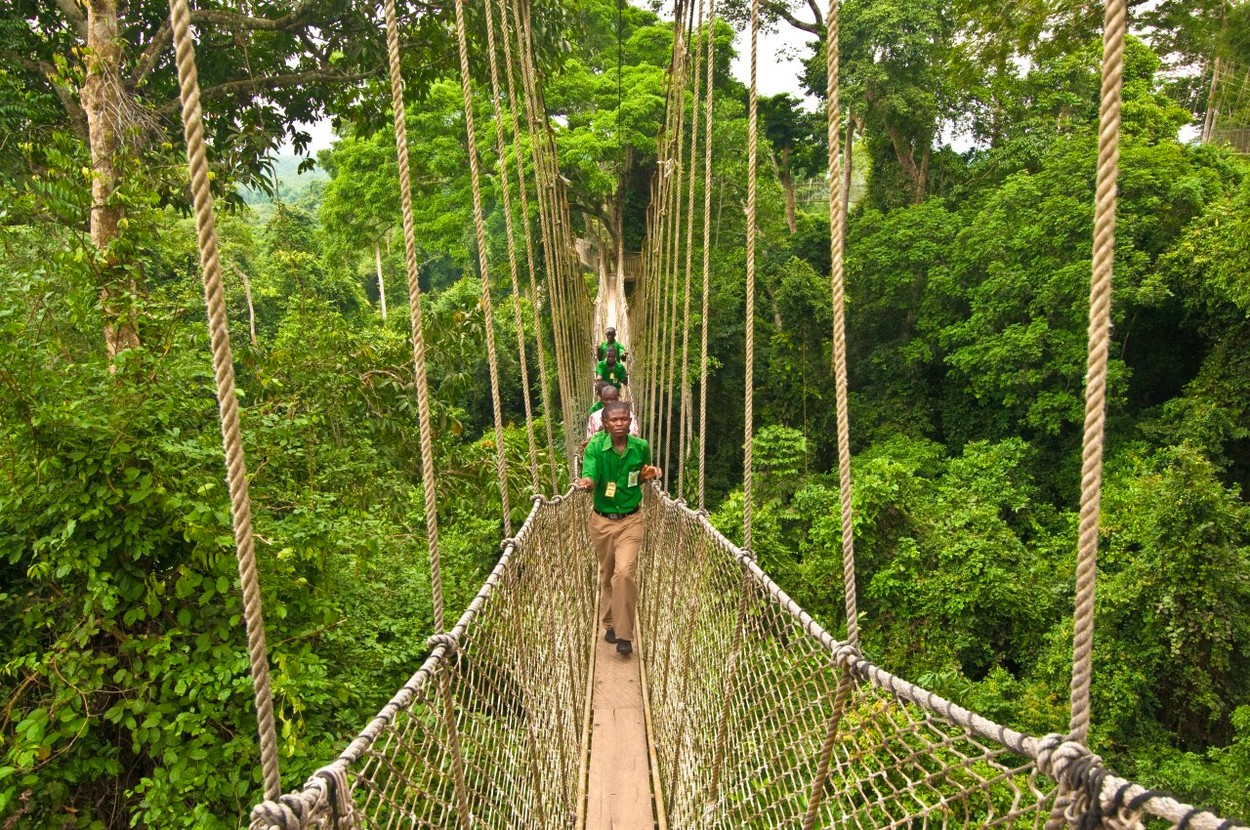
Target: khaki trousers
616 543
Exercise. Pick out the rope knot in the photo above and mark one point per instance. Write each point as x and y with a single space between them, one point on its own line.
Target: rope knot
511 540
326 795
448 640
847 655
747 555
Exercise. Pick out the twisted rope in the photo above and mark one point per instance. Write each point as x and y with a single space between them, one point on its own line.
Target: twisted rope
479 231
707 251
837 227
227 400
683 442
423 394
1114 26
429 488
501 151
749 383
544 386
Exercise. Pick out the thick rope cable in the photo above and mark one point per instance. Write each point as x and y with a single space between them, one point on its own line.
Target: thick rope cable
479 231
429 487
710 67
748 427
837 227
837 247
227 399
506 31
502 153
562 271
673 242
429 490
547 222
1114 26
683 443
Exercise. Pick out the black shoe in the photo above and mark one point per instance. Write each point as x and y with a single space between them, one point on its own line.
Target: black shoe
609 636
623 647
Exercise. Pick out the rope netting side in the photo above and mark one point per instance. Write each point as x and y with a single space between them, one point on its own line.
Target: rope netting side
514 666
904 757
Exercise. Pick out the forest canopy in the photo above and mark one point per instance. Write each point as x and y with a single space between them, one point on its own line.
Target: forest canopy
123 661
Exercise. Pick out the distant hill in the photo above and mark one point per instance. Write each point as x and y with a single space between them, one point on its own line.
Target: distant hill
292 184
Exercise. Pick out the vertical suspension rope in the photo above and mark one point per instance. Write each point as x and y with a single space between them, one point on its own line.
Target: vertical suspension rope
554 233
707 250
749 402
837 247
837 234
227 400
1114 26
744 595
479 231
428 486
506 31
501 151
683 443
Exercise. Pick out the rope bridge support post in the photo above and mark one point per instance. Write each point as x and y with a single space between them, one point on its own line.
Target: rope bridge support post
223 371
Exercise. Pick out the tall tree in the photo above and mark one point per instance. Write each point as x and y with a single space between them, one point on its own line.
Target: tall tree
264 72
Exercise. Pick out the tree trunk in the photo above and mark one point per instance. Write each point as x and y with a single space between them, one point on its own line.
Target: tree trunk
377 256
787 184
251 309
905 152
1208 122
847 160
102 102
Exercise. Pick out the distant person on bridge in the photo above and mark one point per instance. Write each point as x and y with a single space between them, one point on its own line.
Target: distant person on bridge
611 371
610 343
614 466
594 423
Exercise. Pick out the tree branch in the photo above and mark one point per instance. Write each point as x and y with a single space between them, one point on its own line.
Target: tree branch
268 84
241 21
74 14
785 14
820 18
158 44
68 102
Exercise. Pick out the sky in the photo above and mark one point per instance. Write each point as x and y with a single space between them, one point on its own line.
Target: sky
777 67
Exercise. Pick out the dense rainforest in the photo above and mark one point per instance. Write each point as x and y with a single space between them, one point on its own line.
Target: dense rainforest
973 127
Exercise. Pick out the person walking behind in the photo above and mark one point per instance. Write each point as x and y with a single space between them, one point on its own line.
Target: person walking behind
594 422
614 466
610 343
612 371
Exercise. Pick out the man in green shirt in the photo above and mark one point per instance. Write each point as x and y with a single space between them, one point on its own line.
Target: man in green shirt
612 371
610 343
614 466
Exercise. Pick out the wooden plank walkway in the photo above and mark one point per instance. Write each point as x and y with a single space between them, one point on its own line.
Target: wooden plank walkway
618 793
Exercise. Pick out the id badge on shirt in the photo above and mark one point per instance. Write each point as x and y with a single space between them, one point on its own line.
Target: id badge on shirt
633 478
610 490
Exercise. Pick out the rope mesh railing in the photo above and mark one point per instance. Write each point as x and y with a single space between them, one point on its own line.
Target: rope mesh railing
903 757
515 668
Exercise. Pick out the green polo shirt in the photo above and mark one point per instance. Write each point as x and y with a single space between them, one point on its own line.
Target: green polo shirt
617 376
598 405
601 463
616 344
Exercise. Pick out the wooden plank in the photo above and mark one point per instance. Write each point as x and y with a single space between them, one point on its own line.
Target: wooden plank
619 788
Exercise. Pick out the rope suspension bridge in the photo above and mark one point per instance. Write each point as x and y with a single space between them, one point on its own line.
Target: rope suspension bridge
756 715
